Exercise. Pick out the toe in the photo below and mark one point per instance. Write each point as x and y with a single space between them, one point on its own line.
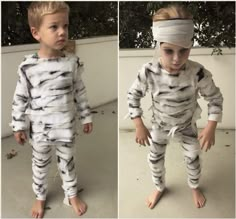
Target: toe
196 203
33 214
152 205
80 212
82 209
149 203
203 203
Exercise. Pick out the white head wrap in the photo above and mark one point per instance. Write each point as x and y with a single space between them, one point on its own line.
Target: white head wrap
178 32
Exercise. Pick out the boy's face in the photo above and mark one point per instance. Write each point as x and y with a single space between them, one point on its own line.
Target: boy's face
53 31
173 57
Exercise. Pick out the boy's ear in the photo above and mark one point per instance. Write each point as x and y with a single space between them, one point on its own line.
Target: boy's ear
35 33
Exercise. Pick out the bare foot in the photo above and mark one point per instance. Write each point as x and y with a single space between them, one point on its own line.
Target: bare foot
78 205
198 198
153 198
37 210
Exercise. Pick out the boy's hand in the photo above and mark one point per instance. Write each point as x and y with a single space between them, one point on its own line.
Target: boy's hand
88 127
207 136
20 137
142 135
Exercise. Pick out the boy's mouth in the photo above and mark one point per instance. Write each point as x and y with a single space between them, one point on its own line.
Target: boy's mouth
61 41
177 65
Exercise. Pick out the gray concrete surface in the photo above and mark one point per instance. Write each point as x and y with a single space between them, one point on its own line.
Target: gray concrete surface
96 163
217 181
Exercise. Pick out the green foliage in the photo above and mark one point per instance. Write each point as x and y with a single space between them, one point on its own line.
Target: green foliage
92 19
15 28
87 19
214 23
134 19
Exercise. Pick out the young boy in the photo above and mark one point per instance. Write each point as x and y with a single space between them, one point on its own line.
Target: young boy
47 92
174 83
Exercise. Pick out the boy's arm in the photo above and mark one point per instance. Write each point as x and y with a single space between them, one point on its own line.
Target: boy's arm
135 93
81 98
212 94
20 103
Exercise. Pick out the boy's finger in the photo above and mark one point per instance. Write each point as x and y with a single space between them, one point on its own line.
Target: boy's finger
89 129
202 145
199 137
24 137
23 140
86 129
20 141
208 148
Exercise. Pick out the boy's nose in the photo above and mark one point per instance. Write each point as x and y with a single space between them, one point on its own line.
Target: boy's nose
176 57
62 32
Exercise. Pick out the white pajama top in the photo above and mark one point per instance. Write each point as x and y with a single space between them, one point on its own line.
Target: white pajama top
50 91
174 96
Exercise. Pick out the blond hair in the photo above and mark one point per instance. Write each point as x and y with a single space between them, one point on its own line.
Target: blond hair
37 10
172 12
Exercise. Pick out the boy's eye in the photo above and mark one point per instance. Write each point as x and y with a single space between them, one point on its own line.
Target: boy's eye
168 51
66 26
182 51
53 27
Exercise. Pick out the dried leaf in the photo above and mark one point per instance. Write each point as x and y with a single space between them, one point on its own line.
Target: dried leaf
12 154
80 190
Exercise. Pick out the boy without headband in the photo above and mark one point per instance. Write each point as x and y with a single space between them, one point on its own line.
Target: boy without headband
175 84
49 92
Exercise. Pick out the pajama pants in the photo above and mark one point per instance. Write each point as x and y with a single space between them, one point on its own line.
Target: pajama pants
40 165
191 151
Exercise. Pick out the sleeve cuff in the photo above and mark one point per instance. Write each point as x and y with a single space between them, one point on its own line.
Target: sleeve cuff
18 126
215 117
88 119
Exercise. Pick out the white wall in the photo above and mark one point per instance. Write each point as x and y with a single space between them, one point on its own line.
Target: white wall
100 77
222 68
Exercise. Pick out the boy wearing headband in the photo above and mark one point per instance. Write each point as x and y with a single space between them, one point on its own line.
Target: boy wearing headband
49 92
175 84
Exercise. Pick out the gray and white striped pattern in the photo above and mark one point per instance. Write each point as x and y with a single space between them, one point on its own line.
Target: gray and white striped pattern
40 165
191 151
175 111
174 96
48 92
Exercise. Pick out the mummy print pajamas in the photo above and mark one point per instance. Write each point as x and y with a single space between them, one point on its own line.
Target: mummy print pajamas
49 92
175 111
